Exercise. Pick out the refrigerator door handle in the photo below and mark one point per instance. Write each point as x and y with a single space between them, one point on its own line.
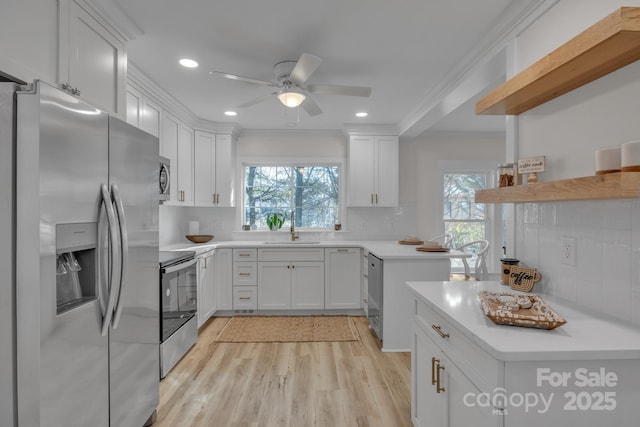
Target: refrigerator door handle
111 218
124 252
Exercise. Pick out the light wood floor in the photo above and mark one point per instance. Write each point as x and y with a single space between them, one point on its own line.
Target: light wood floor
287 384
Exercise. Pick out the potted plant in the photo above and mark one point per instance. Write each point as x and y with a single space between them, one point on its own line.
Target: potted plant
275 220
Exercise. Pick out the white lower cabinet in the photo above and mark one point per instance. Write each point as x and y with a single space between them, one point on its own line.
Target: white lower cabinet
245 298
440 389
206 287
223 279
290 285
291 279
455 382
342 278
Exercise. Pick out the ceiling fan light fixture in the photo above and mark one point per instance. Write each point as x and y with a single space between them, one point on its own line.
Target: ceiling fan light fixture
291 98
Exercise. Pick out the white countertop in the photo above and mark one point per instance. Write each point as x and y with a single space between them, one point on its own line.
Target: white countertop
387 250
585 336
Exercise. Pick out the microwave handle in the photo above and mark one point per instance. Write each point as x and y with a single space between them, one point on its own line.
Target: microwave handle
178 267
124 252
106 316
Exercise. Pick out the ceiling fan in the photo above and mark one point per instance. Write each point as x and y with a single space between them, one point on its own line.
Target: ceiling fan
290 79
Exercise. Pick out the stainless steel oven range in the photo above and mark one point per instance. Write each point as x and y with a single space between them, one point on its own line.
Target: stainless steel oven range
178 304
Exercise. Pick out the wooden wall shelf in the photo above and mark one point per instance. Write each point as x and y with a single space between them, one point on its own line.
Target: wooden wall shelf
622 185
606 46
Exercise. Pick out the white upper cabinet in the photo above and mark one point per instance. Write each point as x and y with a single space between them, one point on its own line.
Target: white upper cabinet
185 166
214 170
176 144
373 171
143 113
91 59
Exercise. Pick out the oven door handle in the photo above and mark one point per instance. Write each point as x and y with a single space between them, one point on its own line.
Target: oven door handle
178 267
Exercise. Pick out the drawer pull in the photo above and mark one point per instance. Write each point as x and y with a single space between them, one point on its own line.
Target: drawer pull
244 254
438 329
244 274
433 370
343 250
366 301
439 388
244 298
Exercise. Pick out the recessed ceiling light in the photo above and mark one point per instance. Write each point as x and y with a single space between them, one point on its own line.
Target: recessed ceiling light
230 113
188 63
362 114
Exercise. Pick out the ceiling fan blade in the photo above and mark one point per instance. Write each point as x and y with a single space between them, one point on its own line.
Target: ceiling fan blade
243 79
311 107
257 100
339 90
305 66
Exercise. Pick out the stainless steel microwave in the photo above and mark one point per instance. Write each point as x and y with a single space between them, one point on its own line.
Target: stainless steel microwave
164 179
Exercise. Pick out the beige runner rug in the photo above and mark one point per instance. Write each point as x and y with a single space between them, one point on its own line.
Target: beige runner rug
288 329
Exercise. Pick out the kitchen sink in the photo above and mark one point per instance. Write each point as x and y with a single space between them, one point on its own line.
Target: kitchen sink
295 242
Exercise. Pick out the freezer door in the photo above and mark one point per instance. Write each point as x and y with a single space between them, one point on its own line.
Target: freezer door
61 163
134 341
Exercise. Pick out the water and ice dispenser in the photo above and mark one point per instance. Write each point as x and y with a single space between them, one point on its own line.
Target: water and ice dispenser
76 264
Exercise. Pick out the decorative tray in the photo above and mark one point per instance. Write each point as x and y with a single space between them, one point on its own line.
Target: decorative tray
435 249
411 242
530 311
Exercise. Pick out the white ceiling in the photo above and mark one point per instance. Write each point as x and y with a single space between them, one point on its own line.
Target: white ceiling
404 50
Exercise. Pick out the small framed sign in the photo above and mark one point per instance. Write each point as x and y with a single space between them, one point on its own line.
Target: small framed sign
531 166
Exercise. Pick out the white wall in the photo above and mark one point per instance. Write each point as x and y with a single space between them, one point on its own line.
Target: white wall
420 183
567 131
29 34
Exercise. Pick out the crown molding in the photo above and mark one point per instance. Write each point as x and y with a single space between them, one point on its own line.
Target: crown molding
351 129
518 17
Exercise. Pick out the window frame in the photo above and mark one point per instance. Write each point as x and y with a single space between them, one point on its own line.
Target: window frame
293 162
492 221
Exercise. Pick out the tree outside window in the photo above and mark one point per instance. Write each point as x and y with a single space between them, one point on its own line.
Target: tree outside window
311 191
464 219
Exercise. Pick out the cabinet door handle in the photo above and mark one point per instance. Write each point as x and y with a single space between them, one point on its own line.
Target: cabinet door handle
438 329
376 198
439 388
433 370
371 198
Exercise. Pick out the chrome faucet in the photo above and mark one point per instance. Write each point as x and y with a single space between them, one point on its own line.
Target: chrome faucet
294 235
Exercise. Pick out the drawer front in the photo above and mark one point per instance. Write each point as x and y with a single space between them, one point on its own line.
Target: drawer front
479 366
245 298
245 273
291 254
250 254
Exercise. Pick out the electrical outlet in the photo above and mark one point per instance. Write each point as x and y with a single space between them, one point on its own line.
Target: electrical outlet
568 250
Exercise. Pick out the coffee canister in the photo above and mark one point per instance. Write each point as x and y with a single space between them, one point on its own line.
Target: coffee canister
506 268
506 175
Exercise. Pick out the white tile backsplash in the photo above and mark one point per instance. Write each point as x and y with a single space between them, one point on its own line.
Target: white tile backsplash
223 223
606 276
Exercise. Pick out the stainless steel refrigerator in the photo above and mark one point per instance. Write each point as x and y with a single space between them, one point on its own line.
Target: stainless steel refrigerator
79 264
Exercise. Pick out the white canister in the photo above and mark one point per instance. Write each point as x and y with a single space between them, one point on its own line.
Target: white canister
630 156
607 160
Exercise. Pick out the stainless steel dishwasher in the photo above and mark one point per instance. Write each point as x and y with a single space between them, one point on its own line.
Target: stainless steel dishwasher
374 296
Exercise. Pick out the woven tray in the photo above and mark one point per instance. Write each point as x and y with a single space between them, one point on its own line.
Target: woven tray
539 315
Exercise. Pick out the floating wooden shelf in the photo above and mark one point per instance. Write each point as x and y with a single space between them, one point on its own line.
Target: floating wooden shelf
622 185
608 45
